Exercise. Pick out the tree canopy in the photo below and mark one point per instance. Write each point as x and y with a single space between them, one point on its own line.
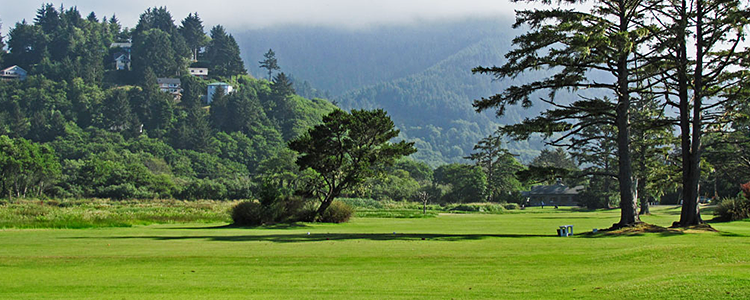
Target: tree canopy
347 149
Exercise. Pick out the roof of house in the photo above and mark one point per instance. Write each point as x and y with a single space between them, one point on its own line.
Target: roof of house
13 68
121 56
557 189
219 84
121 45
168 81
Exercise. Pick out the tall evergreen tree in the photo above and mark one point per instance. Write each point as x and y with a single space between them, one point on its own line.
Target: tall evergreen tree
27 45
224 54
116 111
269 63
48 18
576 44
701 82
193 32
153 49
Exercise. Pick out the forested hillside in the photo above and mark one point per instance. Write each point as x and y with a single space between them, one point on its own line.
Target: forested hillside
82 125
419 73
433 108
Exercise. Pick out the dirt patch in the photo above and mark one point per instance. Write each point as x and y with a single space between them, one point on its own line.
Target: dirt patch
642 228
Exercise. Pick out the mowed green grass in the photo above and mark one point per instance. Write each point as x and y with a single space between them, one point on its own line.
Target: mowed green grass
468 256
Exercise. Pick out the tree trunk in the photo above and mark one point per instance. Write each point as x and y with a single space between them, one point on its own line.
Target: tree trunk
628 203
691 147
642 197
324 205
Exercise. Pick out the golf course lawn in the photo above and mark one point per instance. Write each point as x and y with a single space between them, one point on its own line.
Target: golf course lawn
467 256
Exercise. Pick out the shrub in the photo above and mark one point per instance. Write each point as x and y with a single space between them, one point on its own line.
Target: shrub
511 206
733 209
476 207
248 213
282 210
307 212
338 212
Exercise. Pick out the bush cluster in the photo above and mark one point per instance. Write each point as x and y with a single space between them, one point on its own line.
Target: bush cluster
288 209
338 212
476 207
282 210
733 209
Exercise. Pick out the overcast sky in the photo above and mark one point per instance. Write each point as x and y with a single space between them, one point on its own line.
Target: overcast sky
237 15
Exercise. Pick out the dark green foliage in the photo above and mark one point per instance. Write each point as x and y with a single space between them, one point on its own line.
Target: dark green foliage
153 49
347 149
224 54
499 167
466 183
61 45
26 168
116 111
248 213
338 212
551 166
733 209
268 211
269 63
192 32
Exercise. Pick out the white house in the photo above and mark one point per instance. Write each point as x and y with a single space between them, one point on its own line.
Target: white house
122 61
199 72
122 58
212 88
170 85
13 73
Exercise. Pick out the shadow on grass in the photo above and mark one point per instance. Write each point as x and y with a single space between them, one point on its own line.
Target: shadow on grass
629 234
232 226
319 237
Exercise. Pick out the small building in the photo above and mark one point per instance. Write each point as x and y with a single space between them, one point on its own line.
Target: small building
122 57
122 61
13 73
199 72
172 86
212 88
557 194
125 46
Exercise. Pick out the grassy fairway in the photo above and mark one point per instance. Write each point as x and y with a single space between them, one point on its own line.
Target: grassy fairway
473 256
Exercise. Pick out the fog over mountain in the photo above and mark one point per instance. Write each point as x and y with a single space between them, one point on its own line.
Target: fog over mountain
235 14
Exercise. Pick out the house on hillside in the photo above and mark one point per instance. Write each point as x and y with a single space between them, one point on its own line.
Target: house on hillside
212 88
199 72
13 73
172 86
122 61
122 57
557 194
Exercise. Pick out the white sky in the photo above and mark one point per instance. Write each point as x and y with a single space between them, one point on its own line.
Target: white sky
237 15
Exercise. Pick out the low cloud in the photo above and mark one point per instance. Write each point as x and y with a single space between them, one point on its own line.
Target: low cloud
257 14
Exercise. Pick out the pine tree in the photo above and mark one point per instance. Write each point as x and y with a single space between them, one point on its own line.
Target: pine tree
576 43
192 31
224 54
116 111
269 63
706 81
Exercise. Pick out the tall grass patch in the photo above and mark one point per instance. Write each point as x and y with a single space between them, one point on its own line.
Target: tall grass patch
109 213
